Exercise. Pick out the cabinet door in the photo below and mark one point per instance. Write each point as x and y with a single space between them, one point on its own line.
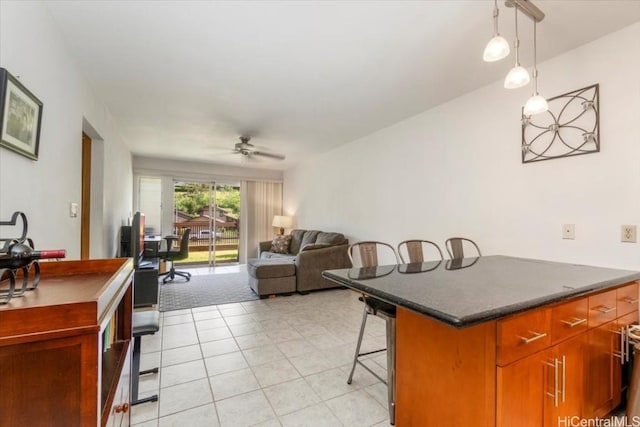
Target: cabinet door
522 388
603 370
566 385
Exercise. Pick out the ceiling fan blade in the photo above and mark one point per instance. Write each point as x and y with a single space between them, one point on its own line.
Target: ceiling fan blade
271 155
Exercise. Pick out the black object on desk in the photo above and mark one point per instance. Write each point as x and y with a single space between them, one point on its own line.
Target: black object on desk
152 246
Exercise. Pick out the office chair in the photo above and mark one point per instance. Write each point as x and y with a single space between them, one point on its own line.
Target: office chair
455 247
415 249
368 256
173 254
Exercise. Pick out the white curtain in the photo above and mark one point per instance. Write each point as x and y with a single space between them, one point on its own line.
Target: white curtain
259 202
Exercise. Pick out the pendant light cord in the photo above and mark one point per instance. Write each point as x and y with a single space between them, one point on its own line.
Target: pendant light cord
517 44
496 13
535 57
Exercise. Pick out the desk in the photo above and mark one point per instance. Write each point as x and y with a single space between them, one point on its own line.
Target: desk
473 338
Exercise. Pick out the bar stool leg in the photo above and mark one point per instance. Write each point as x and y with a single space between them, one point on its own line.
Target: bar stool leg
136 374
391 368
355 357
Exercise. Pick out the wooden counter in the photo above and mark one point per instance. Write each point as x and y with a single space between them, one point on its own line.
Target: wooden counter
514 352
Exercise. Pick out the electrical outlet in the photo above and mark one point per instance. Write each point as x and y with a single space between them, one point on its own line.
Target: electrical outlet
628 234
569 231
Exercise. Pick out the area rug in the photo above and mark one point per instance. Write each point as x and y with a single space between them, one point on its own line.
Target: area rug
201 290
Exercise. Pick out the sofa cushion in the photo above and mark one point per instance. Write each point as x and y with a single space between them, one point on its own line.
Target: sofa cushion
280 244
330 238
309 238
270 268
296 241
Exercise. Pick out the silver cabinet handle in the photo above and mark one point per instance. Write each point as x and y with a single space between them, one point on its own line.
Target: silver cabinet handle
576 321
555 393
536 336
564 376
604 309
631 300
623 338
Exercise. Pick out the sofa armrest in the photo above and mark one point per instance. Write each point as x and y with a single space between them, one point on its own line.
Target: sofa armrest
264 247
314 246
310 264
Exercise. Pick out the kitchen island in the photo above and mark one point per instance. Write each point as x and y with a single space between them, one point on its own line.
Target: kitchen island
504 341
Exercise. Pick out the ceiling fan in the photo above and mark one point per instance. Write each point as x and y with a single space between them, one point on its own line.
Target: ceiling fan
249 150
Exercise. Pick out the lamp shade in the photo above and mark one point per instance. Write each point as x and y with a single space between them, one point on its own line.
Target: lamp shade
496 49
535 105
518 76
282 221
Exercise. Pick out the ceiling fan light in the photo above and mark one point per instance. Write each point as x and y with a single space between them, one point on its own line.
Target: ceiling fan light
535 105
518 77
496 49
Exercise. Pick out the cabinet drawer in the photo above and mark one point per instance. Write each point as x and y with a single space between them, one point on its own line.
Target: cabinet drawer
627 299
569 319
523 334
602 308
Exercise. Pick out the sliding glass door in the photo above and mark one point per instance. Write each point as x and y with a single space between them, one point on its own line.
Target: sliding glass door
211 211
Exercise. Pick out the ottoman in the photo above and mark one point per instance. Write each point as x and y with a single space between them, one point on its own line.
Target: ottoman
271 276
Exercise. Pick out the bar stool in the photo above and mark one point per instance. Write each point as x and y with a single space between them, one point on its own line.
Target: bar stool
455 247
144 323
368 252
415 250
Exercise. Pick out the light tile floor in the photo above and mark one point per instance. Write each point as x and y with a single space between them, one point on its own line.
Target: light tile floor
271 362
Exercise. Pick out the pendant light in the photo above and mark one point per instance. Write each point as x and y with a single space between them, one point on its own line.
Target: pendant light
518 76
498 47
536 104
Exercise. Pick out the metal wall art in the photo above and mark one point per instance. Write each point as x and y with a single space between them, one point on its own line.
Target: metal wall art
570 127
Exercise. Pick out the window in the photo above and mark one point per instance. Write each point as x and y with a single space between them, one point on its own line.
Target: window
150 203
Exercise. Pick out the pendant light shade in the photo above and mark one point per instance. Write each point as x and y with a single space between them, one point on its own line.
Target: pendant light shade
518 76
498 47
536 104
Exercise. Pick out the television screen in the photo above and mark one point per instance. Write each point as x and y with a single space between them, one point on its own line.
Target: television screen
137 238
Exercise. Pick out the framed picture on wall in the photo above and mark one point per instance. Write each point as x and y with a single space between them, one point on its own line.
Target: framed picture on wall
20 117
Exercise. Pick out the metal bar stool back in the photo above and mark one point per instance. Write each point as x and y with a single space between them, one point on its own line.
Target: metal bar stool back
415 250
456 247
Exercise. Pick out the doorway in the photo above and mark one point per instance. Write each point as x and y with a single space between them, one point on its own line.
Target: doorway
85 209
211 211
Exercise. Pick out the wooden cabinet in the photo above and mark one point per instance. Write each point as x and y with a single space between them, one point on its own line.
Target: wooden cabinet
564 395
65 347
542 388
548 365
602 394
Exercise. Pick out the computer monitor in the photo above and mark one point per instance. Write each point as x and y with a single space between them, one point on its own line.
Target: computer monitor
137 238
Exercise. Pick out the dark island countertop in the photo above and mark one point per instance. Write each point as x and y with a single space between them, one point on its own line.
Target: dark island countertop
466 292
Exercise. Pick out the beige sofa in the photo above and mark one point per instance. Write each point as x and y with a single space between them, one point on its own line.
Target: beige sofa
313 252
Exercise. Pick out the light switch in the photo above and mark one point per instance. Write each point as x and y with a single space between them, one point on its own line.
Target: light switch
73 210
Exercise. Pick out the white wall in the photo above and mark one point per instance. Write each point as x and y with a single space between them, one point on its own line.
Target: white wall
32 47
456 170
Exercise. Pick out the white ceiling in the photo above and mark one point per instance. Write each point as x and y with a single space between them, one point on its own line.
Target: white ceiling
185 78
